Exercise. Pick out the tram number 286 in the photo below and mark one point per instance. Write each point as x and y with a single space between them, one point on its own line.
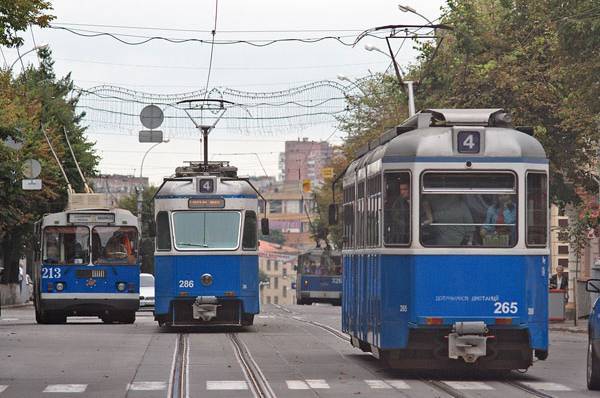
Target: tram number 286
506 307
186 283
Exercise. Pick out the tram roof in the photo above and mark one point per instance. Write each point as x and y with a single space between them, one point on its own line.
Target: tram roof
188 186
61 218
428 136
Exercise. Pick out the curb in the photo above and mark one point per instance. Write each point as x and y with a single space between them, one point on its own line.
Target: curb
570 329
16 305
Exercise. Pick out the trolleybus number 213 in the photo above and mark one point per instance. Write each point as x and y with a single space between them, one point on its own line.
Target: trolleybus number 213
50 273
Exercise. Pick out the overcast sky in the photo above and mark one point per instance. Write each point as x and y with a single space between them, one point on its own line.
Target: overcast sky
161 67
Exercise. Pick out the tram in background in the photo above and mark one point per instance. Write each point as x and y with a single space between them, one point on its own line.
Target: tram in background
445 223
86 264
206 257
319 277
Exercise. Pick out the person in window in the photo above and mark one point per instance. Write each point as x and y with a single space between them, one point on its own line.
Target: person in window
398 230
455 219
501 212
118 248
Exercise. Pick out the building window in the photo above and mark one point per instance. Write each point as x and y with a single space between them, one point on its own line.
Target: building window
564 262
275 282
268 265
275 265
284 271
268 299
276 299
275 206
563 222
563 249
284 291
563 236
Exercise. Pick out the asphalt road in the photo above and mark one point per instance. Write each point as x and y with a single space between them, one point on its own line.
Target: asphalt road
293 351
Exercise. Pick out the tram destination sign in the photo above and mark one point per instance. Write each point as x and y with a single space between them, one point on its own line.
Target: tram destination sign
90 218
202 203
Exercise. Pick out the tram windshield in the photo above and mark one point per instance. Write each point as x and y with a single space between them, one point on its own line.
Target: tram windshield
114 245
468 209
320 264
66 245
206 230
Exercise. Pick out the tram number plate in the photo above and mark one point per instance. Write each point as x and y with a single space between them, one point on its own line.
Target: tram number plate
206 185
506 307
468 141
51 273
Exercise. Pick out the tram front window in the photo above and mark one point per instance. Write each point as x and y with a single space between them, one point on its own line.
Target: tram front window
206 230
114 245
66 245
468 209
321 265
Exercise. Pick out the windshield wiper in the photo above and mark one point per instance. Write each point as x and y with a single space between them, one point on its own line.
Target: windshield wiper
194 244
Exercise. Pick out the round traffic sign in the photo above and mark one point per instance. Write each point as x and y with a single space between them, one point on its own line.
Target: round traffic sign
31 168
151 117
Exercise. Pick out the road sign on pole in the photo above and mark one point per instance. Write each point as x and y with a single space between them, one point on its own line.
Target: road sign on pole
31 168
151 117
327 172
151 136
306 185
31 185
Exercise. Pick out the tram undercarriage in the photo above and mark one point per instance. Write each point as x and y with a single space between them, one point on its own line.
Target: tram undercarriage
429 349
203 311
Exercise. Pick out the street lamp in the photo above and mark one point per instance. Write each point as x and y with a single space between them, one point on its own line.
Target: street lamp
405 8
409 83
36 48
353 82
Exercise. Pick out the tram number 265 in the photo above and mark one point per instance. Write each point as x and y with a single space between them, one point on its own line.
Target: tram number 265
505 307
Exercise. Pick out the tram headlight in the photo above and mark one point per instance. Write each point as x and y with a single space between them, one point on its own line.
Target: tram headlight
121 286
206 279
60 286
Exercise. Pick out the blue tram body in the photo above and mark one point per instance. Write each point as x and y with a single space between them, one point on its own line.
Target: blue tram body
87 265
206 258
319 277
439 279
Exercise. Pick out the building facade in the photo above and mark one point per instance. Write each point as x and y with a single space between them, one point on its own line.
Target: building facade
304 159
118 186
277 264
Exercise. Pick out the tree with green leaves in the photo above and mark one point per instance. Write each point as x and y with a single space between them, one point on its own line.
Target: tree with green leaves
35 102
18 15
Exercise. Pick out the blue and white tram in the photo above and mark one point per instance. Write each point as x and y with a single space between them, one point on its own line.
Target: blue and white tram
87 265
445 221
206 258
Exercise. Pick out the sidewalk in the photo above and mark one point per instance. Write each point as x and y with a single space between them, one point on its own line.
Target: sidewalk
567 326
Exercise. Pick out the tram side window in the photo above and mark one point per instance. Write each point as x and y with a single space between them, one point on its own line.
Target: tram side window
250 231
460 209
397 208
374 204
348 215
360 215
112 245
537 209
66 245
163 232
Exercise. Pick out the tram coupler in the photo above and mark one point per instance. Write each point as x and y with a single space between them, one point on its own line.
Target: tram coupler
467 341
205 308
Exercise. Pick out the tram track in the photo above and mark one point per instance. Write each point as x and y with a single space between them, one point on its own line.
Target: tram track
437 384
179 377
257 382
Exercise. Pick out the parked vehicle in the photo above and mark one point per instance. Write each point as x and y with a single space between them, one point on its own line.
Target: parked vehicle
146 290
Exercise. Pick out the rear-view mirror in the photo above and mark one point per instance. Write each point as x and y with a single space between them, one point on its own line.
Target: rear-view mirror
593 285
264 226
